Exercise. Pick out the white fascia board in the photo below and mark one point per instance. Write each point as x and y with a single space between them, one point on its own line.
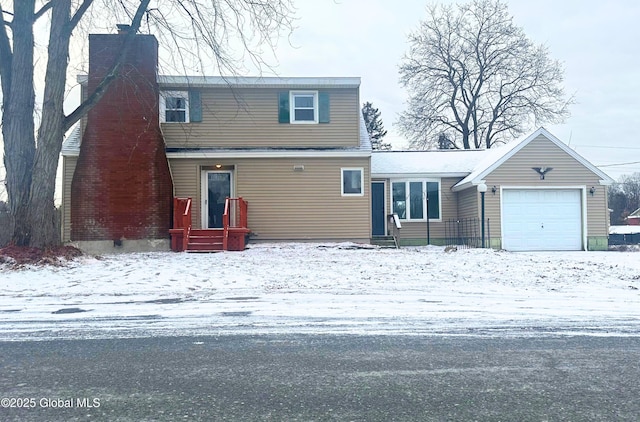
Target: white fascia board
245 81
417 175
269 154
222 81
466 185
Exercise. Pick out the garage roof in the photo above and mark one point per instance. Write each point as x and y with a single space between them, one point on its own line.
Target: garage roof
495 157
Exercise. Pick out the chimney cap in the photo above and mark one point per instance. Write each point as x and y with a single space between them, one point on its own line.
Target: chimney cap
123 28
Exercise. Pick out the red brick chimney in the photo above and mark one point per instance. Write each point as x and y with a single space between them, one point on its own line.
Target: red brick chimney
122 187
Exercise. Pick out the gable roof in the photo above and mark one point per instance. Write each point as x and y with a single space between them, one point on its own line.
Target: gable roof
495 157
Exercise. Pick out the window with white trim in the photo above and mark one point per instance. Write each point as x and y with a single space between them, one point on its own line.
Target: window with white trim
304 106
174 107
351 181
413 200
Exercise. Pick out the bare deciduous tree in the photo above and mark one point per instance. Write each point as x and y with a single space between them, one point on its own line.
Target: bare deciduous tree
196 31
474 77
624 197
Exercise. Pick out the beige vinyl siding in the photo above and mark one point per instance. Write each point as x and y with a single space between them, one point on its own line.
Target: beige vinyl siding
448 210
285 204
248 118
68 168
468 203
517 172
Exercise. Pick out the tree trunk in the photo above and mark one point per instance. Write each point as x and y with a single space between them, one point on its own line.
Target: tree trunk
18 128
42 212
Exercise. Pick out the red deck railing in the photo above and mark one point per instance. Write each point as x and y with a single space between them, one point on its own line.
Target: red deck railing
234 217
181 224
234 225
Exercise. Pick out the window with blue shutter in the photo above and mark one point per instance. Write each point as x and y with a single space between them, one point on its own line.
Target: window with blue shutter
303 107
195 106
323 107
283 107
174 107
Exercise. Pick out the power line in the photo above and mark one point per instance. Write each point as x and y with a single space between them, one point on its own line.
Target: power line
619 164
604 146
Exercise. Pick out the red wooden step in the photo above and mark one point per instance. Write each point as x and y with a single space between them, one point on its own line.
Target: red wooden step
205 240
204 247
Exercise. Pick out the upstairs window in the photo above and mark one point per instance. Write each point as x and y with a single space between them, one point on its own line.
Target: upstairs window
303 107
174 107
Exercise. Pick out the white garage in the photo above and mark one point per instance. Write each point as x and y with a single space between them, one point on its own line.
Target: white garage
542 219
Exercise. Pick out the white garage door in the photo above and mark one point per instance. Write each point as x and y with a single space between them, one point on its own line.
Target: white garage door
541 219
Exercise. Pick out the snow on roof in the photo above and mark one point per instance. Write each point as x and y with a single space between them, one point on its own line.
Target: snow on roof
436 162
635 214
259 81
624 229
249 81
365 139
71 144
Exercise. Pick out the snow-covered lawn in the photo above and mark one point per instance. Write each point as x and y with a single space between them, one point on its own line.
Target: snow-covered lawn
319 288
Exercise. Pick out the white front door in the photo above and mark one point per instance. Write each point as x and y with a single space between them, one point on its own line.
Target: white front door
542 219
217 186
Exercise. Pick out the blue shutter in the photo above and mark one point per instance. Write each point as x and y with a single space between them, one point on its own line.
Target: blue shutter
323 106
283 107
195 106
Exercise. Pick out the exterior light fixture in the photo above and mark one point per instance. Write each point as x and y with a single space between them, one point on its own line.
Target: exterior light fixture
218 166
482 188
592 191
494 189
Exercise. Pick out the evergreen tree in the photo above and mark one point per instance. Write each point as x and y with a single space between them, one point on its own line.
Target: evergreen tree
374 127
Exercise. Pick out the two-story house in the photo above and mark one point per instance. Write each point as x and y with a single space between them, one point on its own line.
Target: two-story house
210 159
295 149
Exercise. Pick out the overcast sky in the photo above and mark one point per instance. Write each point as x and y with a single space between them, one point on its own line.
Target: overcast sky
597 42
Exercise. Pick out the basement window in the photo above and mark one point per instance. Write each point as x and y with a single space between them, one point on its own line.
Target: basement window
174 107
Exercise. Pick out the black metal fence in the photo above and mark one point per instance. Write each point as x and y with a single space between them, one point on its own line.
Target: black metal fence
624 239
466 232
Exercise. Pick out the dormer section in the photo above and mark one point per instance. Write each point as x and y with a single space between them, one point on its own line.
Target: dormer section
265 113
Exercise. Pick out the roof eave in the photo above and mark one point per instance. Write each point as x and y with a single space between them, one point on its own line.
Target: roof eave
226 153
383 175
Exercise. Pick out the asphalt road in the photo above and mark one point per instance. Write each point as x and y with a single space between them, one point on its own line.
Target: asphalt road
322 378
